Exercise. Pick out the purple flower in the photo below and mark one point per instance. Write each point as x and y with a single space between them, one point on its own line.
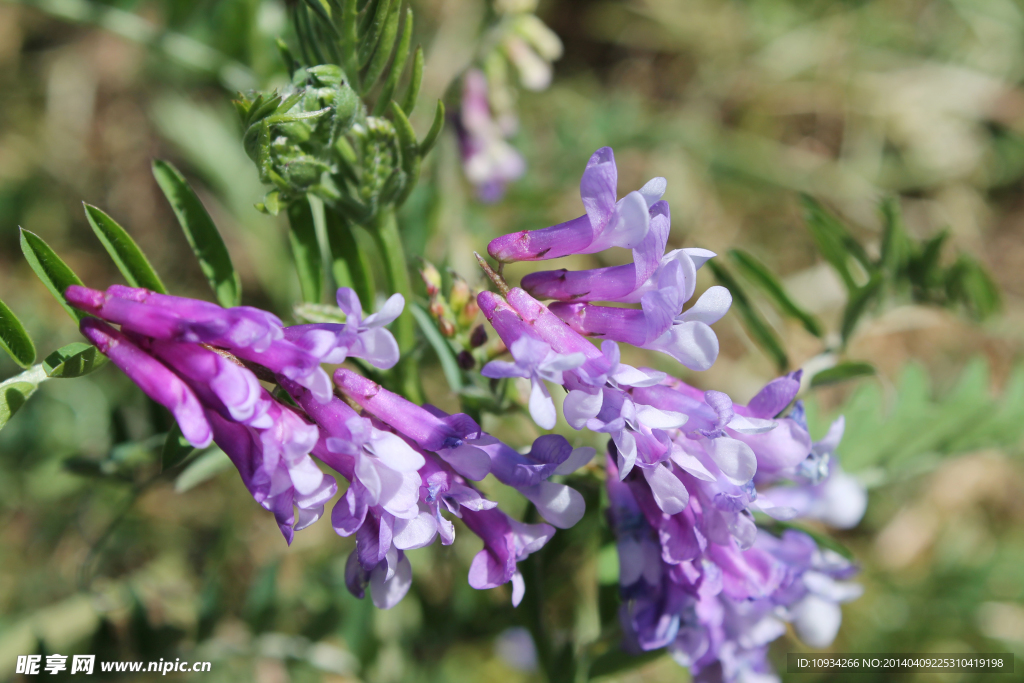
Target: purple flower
358 337
450 437
660 324
488 161
248 333
538 362
154 378
606 223
506 542
446 490
276 468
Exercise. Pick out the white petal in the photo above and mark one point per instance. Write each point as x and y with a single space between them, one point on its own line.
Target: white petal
669 493
386 593
366 472
734 458
579 406
693 344
710 307
750 425
626 446
558 504
394 452
699 256
653 190
691 464
842 503
655 418
416 532
577 459
628 376
391 309
817 620
627 226
518 588
542 408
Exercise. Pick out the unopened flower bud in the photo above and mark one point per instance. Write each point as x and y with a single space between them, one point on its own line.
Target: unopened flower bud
469 312
431 278
446 326
478 337
459 295
465 360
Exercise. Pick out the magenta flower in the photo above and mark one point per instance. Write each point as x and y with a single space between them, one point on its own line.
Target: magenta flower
606 223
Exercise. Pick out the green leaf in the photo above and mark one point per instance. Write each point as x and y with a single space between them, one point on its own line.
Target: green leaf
449 365
857 305
842 372
129 259
201 233
416 78
14 339
834 241
435 130
372 31
74 360
410 151
384 47
306 250
758 273
54 273
968 283
756 326
15 392
175 449
895 243
397 66
203 468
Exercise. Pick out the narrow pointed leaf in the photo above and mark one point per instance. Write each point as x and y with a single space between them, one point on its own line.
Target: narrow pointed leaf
435 130
127 256
842 372
350 40
895 245
384 47
54 273
858 303
373 31
306 250
397 66
834 241
410 150
757 273
14 339
201 233
175 449
449 365
415 80
74 360
758 329
16 391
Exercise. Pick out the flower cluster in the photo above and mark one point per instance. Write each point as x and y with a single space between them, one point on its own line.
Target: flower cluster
407 466
688 469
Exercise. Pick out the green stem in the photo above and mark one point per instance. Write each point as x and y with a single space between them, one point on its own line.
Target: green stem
385 230
349 265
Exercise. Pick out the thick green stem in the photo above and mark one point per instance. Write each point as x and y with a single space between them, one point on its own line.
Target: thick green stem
385 230
349 264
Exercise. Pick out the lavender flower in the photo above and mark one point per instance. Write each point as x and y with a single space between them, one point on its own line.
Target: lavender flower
506 542
606 223
489 162
358 337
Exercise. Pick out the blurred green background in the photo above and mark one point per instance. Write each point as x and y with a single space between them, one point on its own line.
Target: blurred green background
741 105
